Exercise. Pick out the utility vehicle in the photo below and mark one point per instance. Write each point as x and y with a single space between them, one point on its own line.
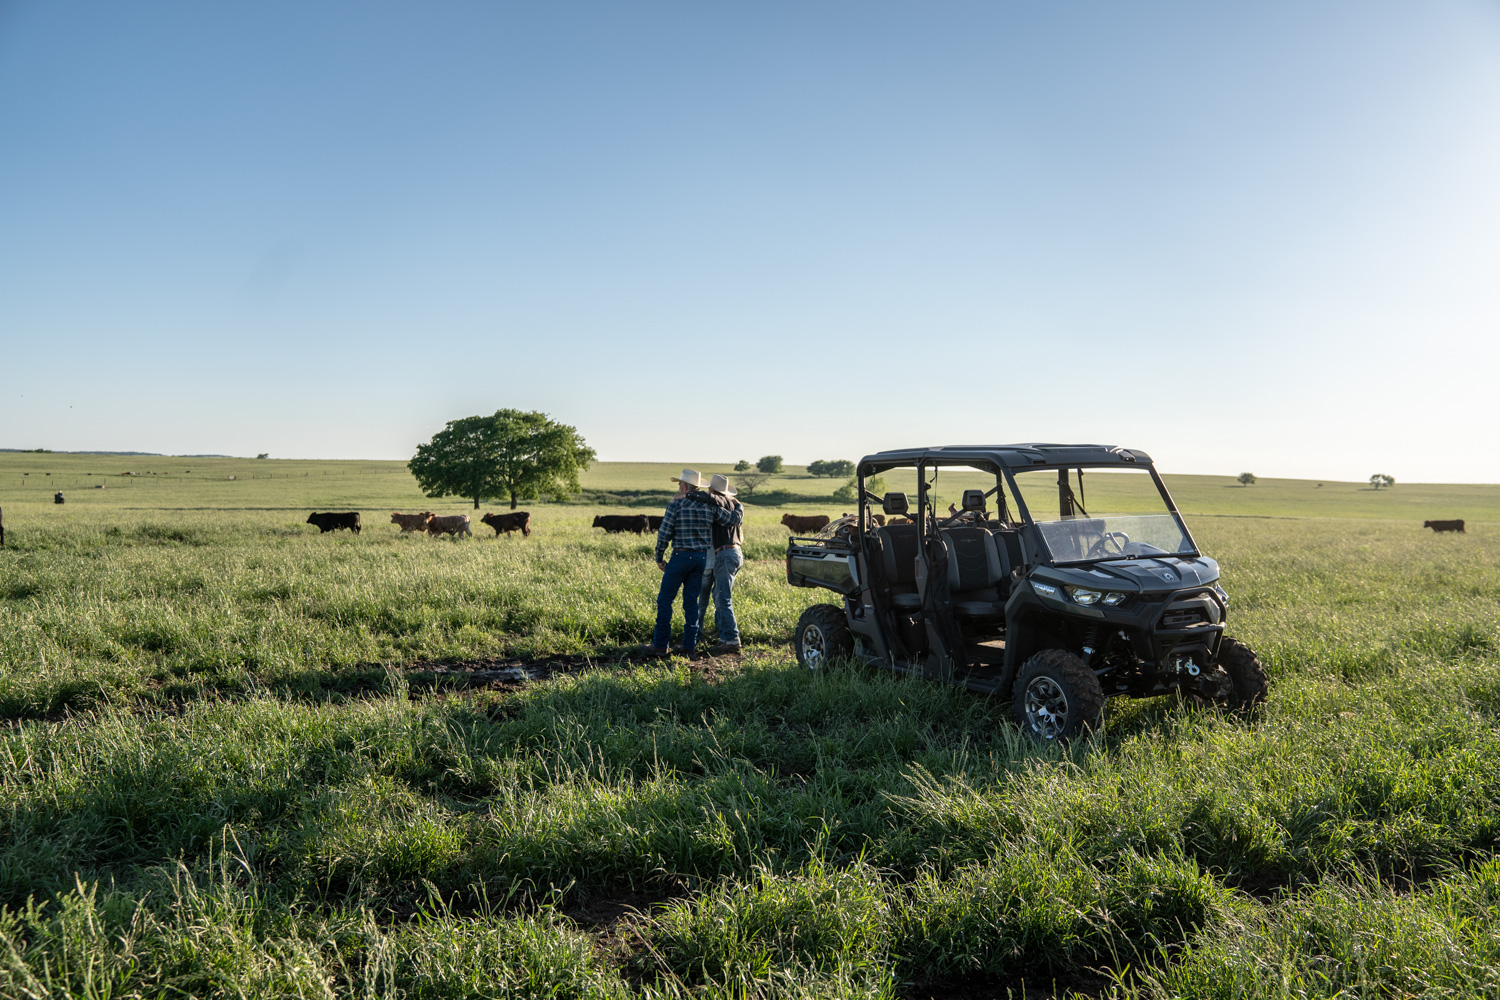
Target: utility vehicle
1017 590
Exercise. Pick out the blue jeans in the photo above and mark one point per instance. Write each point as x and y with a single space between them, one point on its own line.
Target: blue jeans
721 582
684 570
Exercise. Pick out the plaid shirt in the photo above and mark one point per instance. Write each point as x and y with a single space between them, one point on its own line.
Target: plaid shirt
689 526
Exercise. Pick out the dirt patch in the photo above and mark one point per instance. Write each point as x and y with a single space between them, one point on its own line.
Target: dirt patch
507 674
512 673
1088 984
600 913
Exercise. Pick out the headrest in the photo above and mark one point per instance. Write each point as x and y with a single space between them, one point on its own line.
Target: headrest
894 504
973 500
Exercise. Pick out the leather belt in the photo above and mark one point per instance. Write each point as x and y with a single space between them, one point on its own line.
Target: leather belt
731 545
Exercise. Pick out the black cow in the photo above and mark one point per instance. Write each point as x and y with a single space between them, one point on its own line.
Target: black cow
1436 526
509 522
653 521
330 521
613 524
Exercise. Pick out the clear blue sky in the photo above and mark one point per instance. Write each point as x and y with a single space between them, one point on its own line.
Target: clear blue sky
1257 237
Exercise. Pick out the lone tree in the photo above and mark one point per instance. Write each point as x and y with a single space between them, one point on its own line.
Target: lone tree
742 466
1381 479
769 464
511 453
749 482
1247 479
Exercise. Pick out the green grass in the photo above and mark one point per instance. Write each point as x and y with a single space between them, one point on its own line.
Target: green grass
228 767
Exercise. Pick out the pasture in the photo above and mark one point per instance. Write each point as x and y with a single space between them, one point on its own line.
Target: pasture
242 758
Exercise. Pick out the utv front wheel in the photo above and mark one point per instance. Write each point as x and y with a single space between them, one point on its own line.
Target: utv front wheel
1056 696
822 635
1247 677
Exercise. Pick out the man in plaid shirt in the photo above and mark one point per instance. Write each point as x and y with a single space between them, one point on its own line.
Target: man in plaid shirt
688 528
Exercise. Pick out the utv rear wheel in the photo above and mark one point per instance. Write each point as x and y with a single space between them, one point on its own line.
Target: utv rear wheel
822 635
1246 675
1056 696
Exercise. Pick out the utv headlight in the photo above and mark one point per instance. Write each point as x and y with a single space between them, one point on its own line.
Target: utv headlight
1082 595
1086 597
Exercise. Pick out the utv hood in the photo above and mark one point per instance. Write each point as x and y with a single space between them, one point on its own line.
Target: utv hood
1143 575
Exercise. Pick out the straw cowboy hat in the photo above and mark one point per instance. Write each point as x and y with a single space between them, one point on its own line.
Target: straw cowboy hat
720 484
689 476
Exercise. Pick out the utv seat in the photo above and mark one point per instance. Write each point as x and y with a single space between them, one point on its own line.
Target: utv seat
978 572
1009 540
898 559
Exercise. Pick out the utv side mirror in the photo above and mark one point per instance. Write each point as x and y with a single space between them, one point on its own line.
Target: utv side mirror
894 504
973 500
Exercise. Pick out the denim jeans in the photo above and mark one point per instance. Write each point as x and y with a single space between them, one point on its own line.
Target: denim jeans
721 582
684 570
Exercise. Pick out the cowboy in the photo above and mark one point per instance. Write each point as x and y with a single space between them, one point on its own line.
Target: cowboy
724 562
688 527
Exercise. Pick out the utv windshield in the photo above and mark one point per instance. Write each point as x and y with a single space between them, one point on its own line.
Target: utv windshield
1088 515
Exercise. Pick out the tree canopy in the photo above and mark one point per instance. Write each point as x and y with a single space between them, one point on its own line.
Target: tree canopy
511 453
837 468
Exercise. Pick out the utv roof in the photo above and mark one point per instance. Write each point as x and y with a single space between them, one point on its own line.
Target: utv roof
1010 456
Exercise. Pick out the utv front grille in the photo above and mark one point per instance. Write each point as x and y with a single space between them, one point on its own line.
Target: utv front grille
1184 618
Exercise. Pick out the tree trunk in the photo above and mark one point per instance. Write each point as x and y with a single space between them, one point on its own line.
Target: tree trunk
512 499
476 503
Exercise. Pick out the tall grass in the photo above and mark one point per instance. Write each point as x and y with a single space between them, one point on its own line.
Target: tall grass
220 776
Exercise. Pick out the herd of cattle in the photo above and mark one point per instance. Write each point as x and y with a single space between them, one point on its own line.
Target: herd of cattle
433 524
613 524
458 524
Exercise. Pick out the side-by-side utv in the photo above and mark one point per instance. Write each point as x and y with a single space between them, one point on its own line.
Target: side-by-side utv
1017 590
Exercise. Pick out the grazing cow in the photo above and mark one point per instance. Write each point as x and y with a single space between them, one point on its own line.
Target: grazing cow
1436 526
509 522
613 524
411 522
899 520
327 522
449 524
803 525
879 519
653 521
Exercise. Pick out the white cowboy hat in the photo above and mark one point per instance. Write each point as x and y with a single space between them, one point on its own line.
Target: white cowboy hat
689 476
720 484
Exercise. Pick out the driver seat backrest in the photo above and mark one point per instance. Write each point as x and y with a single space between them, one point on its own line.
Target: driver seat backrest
1009 540
898 558
977 571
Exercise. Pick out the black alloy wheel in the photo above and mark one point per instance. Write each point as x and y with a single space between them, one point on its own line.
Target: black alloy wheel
822 635
1056 696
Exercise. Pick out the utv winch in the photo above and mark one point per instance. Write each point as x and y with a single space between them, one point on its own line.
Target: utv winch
1017 590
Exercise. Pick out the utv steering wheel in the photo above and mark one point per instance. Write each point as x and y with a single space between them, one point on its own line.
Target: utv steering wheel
1110 543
